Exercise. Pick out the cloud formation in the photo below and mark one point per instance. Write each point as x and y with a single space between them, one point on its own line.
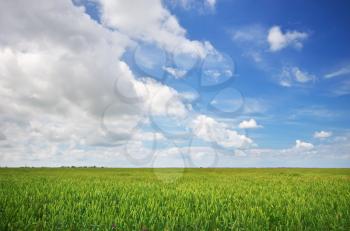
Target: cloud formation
247 124
340 72
322 134
202 6
156 24
67 96
261 44
210 130
59 78
303 145
177 73
291 76
279 40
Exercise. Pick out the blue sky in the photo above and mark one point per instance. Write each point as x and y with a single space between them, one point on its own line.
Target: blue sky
294 112
324 51
193 83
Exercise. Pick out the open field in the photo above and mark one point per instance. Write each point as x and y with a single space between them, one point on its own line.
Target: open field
169 199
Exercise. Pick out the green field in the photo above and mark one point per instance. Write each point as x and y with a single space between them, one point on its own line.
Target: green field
174 199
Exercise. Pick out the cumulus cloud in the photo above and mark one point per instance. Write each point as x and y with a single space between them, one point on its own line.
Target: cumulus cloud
164 100
279 40
303 145
2 136
210 130
251 123
59 81
291 76
322 134
155 24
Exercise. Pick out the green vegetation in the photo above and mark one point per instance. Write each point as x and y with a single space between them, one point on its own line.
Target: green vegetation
172 199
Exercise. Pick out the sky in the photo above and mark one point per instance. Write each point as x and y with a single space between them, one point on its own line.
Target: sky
174 83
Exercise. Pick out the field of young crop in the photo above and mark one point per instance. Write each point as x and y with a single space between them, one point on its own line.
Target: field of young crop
169 199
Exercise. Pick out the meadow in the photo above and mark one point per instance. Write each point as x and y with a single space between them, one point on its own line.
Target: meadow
174 199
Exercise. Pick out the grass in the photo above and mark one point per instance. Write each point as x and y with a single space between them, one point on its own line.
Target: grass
174 199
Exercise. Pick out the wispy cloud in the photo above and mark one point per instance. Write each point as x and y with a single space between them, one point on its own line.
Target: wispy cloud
177 73
255 106
254 34
341 88
253 39
291 76
322 134
315 111
201 6
343 71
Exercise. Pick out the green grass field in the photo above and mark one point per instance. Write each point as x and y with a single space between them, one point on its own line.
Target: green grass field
173 199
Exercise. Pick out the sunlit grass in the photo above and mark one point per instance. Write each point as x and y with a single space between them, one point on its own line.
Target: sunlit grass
200 199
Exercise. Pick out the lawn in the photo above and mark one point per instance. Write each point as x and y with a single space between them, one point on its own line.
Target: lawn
174 199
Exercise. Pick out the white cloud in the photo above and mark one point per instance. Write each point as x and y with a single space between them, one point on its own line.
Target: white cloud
148 136
211 3
2 136
279 40
254 34
322 134
253 106
155 24
210 130
251 123
334 153
303 145
254 55
341 88
58 78
189 96
302 77
291 76
202 6
177 73
340 72
165 101
252 39
314 111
